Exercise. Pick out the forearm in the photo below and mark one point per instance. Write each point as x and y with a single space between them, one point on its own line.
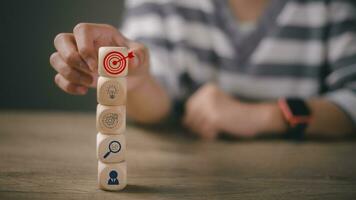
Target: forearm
328 120
252 119
148 102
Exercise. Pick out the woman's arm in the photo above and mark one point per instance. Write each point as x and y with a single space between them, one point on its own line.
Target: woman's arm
327 119
148 102
210 111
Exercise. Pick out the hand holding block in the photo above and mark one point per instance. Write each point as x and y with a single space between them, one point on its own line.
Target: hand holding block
111 148
112 176
111 119
113 61
111 91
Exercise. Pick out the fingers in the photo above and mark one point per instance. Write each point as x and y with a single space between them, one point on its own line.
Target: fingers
66 47
190 118
140 59
201 113
85 44
72 75
201 126
119 38
76 57
69 87
198 121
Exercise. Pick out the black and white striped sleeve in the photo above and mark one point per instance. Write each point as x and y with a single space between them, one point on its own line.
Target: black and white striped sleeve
144 22
341 53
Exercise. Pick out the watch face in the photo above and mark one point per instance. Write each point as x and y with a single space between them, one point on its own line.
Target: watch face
298 107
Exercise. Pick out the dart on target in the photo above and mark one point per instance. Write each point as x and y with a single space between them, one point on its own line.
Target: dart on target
114 61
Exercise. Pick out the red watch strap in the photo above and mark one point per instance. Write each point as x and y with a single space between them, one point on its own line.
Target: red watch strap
297 124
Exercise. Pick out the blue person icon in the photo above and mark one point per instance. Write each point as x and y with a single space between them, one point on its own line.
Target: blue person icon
113 180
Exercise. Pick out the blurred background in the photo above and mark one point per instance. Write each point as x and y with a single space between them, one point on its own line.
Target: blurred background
27 32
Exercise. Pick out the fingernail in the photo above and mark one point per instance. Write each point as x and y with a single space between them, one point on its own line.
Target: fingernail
82 90
86 80
92 63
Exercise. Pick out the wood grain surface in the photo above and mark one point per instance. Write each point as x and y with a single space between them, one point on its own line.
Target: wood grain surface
52 156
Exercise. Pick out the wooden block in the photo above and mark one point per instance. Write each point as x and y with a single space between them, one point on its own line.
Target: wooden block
113 61
110 148
111 91
112 176
111 119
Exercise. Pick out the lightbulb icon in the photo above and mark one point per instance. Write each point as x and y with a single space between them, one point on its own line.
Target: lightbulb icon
112 91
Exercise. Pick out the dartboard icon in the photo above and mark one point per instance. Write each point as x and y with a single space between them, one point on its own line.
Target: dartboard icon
114 62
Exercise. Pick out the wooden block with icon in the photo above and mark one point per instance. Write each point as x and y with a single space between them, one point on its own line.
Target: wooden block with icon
112 176
111 91
111 148
113 61
111 117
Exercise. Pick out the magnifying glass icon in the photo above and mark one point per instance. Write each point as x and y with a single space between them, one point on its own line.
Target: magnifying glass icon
114 147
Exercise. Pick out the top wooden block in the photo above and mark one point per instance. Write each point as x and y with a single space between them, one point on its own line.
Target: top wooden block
113 61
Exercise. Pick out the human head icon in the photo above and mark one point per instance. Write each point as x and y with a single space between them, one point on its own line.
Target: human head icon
113 180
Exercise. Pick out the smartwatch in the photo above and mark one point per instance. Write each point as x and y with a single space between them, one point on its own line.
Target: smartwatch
298 116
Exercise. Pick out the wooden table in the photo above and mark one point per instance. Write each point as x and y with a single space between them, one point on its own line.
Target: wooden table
52 156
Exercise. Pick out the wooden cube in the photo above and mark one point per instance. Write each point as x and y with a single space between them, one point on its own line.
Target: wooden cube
113 61
111 91
112 176
110 148
111 119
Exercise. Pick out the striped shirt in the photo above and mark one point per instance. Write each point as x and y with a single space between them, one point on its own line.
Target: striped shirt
299 48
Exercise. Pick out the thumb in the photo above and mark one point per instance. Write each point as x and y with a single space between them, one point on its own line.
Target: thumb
139 57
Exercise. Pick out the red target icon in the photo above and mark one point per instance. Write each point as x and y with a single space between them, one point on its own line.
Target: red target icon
114 62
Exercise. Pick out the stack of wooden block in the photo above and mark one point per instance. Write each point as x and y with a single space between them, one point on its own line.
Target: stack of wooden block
111 117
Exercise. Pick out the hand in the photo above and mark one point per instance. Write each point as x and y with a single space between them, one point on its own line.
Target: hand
76 57
210 111
204 111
